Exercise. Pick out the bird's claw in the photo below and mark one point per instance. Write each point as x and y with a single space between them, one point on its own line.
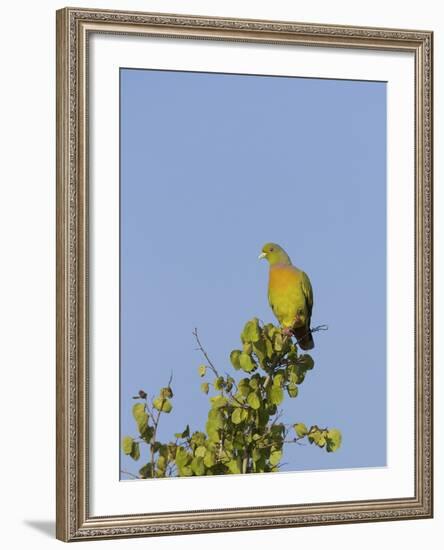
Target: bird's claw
286 331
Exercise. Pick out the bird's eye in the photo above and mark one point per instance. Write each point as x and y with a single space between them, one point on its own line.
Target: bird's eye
271 249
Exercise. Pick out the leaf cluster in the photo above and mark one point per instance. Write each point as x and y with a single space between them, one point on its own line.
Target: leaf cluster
243 433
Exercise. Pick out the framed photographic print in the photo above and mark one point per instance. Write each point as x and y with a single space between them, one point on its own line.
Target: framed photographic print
244 274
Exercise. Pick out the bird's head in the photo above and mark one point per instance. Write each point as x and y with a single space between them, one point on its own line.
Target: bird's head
275 254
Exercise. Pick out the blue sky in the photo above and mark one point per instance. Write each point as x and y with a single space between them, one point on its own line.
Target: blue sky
212 167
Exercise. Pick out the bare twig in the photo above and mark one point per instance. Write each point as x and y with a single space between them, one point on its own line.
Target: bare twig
295 440
147 407
204 353
315 329
318 328
155 426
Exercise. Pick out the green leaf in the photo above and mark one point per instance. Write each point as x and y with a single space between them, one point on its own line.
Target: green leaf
219 383
166 392
300 429
202 369
275 457
317 437
127 444
213 433
292 390
276 395
172 449
200 451
205 387
244 387
306 361
292 376
269 348
234 358
185 471
218 401
147 433
278 379
163 451
246 362
260 349
140 416
251 332
247 348
163 405
334 440
198 439
277 432
182 457
215 416
214 423
278 343
260 466
234 466
236 417
253 400
271 330
263 417
209 459
292 354
161 464
146 471
257 454
229 383
135 451
197 466
184 434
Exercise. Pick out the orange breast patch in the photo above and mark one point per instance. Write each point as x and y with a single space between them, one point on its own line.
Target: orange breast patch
282 277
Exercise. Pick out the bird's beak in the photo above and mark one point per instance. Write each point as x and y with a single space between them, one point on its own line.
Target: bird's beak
262 255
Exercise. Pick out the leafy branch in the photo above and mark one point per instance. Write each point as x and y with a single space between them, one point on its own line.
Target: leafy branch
243 433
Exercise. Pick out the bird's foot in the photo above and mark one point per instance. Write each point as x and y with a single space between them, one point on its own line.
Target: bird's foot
286 331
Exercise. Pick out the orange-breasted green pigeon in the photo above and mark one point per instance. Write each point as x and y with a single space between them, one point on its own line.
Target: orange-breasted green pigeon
289 294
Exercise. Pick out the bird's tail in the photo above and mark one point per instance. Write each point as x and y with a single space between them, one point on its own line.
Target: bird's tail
304 337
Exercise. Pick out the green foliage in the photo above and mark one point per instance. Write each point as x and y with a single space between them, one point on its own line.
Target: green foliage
162 404
246 362
131 447
254 400
276 395
300 429
239 415
333 439
135 451
140 416
242 432
251 332
185 434
166 393
235 358
275 457
127 444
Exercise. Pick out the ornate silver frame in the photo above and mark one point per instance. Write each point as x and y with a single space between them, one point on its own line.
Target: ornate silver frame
74 521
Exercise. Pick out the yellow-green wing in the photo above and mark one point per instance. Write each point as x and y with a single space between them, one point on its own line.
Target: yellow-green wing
308 293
